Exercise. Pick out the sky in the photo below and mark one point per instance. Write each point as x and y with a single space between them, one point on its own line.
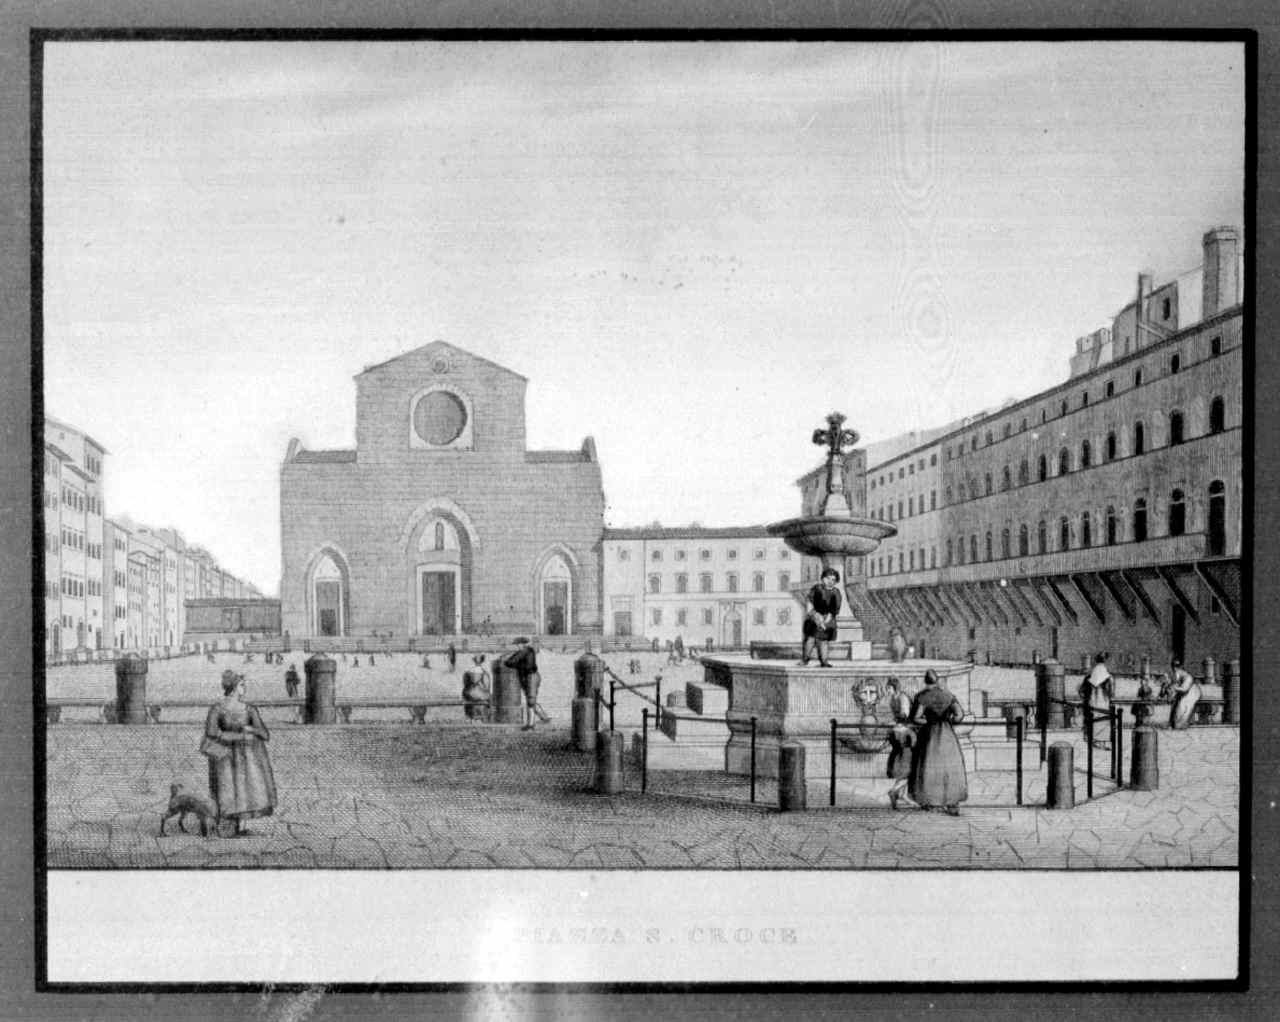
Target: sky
694 251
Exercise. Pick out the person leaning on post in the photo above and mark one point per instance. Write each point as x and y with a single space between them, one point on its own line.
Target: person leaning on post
525 662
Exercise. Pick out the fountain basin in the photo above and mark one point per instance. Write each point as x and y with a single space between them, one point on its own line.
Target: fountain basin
797 703
828 536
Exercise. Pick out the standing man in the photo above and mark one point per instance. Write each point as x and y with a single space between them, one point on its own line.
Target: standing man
525 662
291 681
453 658
820 610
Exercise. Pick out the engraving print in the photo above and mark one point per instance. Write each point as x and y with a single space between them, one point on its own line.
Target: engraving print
483 455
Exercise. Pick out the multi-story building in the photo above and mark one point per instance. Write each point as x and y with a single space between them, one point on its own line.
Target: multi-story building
708 586
1101 514
73 540
108 583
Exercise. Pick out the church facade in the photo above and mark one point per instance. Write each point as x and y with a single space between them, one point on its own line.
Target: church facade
440 522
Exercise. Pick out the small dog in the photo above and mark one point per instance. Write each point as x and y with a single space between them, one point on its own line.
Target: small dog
182 802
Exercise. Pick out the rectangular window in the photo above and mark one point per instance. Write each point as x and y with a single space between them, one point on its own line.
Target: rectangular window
758 615
704 583
707 615
784 615
655 615
682 617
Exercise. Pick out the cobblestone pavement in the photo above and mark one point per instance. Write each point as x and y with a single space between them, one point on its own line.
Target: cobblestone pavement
473 795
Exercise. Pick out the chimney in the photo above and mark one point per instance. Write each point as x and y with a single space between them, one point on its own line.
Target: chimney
1221 281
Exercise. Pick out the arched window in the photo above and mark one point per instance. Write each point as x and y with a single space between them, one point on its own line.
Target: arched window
948 561
962 493
1112 526
1005 549
1086 530
1064 533
757 582
1042 538
682 583
1042 468
1086 455
1024 473
1007 479
1217 415
1217 518
1111 447
1139 520
973 548
1064 462
439 536
1024 546
988 546
987 483
1175 428
655 583
960 550
1177 513
1139 438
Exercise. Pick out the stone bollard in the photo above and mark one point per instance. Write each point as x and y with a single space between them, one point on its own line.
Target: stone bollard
131 690
1144 765
506 694
1231 692
1210 667
588 680
319 707
792 793
1146 665
1051 684
583 713
1060 792
609 746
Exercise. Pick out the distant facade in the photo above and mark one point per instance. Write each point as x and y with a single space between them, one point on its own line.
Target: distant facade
109 583
440 521
1101 514
725 586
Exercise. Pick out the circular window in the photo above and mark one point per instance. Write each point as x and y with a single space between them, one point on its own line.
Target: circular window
439 418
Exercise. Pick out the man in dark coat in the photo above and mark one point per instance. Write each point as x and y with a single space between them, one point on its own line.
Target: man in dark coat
291 681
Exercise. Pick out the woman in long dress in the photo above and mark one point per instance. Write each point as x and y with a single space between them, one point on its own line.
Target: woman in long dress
240 780
938 776
1096 690
1186 693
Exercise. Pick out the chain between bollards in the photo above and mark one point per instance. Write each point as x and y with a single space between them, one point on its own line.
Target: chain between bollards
1120 748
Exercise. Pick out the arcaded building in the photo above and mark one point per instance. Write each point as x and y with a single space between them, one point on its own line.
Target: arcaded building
1105 513
440 522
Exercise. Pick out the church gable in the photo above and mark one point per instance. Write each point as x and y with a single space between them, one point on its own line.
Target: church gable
438 358
438 398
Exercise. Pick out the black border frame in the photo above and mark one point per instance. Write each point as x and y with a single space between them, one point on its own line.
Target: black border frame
1247 37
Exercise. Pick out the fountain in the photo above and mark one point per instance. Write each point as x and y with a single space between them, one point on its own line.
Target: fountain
791 701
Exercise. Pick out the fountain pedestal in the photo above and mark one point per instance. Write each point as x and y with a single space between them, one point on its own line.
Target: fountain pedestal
797 703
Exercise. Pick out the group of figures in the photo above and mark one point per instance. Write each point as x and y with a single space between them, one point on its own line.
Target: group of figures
1177 687
925 761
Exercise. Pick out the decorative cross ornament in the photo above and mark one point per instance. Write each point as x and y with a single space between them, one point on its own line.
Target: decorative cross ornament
835 438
